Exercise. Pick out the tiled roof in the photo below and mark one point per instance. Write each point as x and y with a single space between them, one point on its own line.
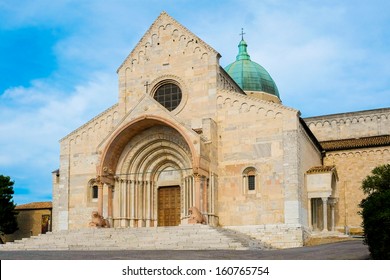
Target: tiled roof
35 205
320 169
364 142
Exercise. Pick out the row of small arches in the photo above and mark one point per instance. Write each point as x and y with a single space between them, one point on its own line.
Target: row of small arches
188 43
244 107
375 152
107 121
347 121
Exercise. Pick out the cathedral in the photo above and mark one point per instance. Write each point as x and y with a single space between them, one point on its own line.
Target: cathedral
188 134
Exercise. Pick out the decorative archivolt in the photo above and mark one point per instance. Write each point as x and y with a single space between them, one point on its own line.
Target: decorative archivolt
137 158
163 78
147 152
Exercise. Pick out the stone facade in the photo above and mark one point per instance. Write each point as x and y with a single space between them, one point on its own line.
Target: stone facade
241 158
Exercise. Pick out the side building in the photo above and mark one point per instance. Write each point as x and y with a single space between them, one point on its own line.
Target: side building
355 143
33 219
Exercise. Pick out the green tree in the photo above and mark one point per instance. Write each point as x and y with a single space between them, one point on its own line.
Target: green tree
376 212
8 222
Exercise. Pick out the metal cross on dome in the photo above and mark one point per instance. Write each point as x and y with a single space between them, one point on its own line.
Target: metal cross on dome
242 33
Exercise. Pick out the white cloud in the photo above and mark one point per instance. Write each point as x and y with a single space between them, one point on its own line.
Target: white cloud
50 113
30 149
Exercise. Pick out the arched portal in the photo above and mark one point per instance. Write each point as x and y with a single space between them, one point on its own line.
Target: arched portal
156 157
143 164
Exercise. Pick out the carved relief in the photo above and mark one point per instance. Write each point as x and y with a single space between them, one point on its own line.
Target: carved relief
98 221
195 216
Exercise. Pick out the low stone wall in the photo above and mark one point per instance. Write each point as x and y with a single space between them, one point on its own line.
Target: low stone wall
277 235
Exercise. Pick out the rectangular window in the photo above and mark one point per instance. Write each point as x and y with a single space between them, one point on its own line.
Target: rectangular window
251 182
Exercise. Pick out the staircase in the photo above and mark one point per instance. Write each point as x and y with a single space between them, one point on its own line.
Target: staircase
190 237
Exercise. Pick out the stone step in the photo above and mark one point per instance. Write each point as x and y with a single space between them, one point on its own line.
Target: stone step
194 237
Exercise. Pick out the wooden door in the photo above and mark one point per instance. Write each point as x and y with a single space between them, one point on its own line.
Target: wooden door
45 223
169 206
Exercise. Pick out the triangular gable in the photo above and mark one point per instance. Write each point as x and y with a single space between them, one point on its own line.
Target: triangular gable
151 37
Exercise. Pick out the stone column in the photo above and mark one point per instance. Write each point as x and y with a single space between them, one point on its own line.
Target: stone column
115 202
136 202
205 195
197 193
210 193
191 192
109 210
147 203
154 203
185 197
118 202
332 203
100 198
126 202
309 214
211 200
141 205
132 203
325 213
123 203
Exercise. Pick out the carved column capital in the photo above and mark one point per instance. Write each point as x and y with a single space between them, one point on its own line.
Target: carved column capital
332 201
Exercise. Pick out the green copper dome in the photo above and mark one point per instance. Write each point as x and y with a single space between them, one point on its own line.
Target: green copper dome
249 75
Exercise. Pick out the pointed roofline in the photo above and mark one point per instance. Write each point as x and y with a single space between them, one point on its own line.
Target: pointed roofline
165 14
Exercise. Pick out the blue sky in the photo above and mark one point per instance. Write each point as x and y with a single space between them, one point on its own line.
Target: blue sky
58 62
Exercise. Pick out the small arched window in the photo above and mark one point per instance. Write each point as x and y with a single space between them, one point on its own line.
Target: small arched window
95 192
249 180
92 192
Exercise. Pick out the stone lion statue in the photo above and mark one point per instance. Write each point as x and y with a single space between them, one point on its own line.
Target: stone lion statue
195 216
98 221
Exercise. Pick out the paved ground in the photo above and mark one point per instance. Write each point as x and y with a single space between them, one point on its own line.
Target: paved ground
346 250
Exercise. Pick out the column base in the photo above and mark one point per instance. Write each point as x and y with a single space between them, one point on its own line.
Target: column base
133 223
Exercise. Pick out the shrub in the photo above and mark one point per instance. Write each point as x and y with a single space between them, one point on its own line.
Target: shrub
376 212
